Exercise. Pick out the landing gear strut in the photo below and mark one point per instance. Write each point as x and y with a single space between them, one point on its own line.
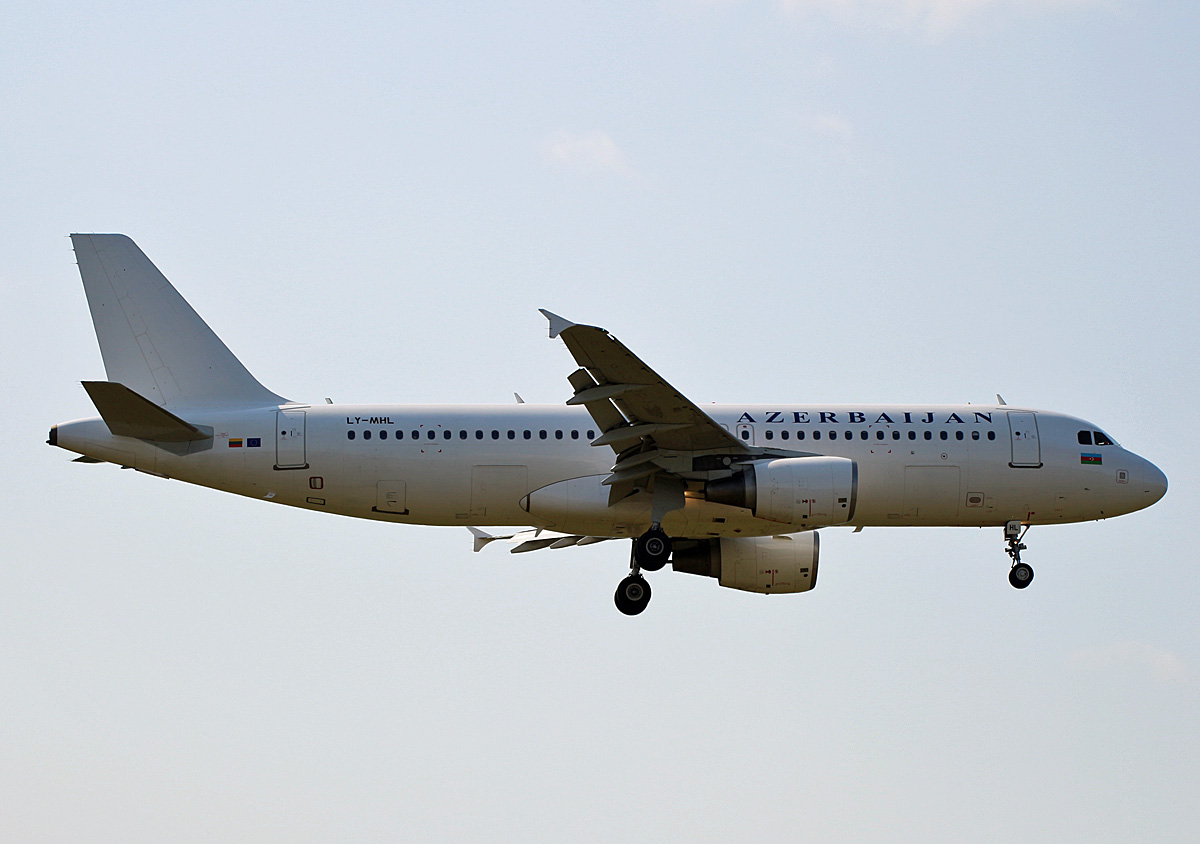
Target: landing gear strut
651 551
1021 574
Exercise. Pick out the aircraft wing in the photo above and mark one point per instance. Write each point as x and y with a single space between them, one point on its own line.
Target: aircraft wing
534 539
632 403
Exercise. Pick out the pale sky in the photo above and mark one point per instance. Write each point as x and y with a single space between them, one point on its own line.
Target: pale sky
790 202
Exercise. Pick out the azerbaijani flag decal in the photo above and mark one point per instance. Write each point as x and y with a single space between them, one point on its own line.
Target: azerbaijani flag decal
235 442
1091 459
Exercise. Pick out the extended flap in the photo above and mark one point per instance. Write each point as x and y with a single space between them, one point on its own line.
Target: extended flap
129 415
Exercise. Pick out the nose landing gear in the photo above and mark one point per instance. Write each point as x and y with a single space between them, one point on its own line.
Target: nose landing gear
1021 574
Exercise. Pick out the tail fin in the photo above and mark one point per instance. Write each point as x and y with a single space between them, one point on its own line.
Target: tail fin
150 338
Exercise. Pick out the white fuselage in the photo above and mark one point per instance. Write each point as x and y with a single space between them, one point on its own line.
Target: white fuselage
970 465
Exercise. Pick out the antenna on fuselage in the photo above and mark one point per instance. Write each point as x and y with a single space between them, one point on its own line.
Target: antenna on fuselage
1000 399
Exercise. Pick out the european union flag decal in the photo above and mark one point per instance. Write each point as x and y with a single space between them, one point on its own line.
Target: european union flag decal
254 442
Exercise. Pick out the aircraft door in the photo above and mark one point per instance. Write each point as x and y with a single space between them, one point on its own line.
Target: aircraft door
745 433
390 497
1026 448
496 493
289 440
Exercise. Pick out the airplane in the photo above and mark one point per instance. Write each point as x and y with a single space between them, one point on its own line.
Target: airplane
733 493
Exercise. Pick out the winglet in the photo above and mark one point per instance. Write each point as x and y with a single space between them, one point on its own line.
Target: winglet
557 324
482 538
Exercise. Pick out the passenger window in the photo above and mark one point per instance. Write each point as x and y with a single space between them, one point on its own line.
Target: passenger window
1085 437
863 435
958 435
1102 438
591 434
879 435
479 435
366 435
432 434
974 435
349 435
895 435
574 435
991 435
799 435
912 435
399 434
745 434
558 435
849 435
512 435
929 435
527 435
541 435
783 435
447 434
383 435
769 435
495 435
416 435
816 435
944 435
462 435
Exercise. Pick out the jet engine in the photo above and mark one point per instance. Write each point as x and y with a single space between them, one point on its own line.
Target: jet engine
801 491
764 564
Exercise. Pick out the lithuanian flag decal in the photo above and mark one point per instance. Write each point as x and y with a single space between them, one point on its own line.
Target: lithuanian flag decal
236 442
1093 459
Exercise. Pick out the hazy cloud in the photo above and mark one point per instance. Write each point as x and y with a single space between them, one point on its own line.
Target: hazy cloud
935 18
591 151
1139 656
833 126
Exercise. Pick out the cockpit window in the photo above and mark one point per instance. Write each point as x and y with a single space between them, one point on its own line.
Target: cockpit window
1085 437
1102 438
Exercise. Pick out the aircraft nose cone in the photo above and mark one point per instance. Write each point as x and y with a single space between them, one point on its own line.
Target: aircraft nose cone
1154 482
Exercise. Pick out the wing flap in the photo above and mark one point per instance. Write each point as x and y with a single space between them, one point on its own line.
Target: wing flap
649 408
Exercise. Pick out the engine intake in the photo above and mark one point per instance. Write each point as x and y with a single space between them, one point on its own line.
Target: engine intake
801 491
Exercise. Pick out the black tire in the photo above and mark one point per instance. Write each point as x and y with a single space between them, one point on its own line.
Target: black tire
652 549
1021 575
633 594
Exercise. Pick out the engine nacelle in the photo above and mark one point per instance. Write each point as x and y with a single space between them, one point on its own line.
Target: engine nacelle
764 564
801 491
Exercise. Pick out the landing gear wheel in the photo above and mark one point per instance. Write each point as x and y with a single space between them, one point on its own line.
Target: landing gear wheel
652 549
633 594
1021 575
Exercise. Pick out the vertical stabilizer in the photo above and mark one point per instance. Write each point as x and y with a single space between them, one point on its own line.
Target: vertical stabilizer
150 338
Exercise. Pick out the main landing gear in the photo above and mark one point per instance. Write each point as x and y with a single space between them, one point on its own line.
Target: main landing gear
1021 574
651 551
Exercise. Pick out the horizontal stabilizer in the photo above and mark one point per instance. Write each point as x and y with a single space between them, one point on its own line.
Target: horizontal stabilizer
128 414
